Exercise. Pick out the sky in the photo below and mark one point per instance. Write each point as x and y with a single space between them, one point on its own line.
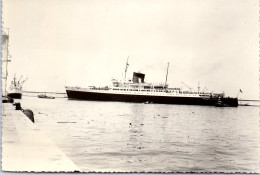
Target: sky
57 43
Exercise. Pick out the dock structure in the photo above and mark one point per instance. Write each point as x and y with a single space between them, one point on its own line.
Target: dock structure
25 147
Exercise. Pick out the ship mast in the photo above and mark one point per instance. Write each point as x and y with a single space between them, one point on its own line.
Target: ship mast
166 76
198 87
15 81
126 66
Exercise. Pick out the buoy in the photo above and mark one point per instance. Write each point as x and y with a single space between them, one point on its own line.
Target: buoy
29 114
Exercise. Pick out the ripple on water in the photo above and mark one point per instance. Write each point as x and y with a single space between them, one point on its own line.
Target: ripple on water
129 137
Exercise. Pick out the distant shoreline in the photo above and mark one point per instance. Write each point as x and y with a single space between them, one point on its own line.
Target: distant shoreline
44 92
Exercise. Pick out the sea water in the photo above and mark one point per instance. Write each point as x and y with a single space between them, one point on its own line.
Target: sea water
132 137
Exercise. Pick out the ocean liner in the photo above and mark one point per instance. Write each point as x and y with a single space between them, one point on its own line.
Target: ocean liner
139 91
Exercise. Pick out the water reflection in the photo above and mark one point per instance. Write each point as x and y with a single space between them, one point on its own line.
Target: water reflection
136 124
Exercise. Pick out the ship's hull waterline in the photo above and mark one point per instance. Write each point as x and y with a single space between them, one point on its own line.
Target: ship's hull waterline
96 96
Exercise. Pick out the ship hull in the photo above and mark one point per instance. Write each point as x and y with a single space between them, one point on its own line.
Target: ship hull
15 95
95 96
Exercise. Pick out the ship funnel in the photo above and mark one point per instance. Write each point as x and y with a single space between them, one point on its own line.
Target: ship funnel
137 77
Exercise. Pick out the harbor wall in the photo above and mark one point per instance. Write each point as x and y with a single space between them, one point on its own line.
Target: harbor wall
25 147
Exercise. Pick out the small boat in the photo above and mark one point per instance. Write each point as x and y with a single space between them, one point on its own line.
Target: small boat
45 96
247 104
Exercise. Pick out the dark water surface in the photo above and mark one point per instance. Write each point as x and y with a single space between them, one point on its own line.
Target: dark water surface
130 137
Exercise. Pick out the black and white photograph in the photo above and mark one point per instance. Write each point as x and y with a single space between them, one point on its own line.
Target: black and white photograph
130 86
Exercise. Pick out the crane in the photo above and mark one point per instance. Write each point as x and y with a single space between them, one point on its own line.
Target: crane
205 88
20 79
23 81
190 89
